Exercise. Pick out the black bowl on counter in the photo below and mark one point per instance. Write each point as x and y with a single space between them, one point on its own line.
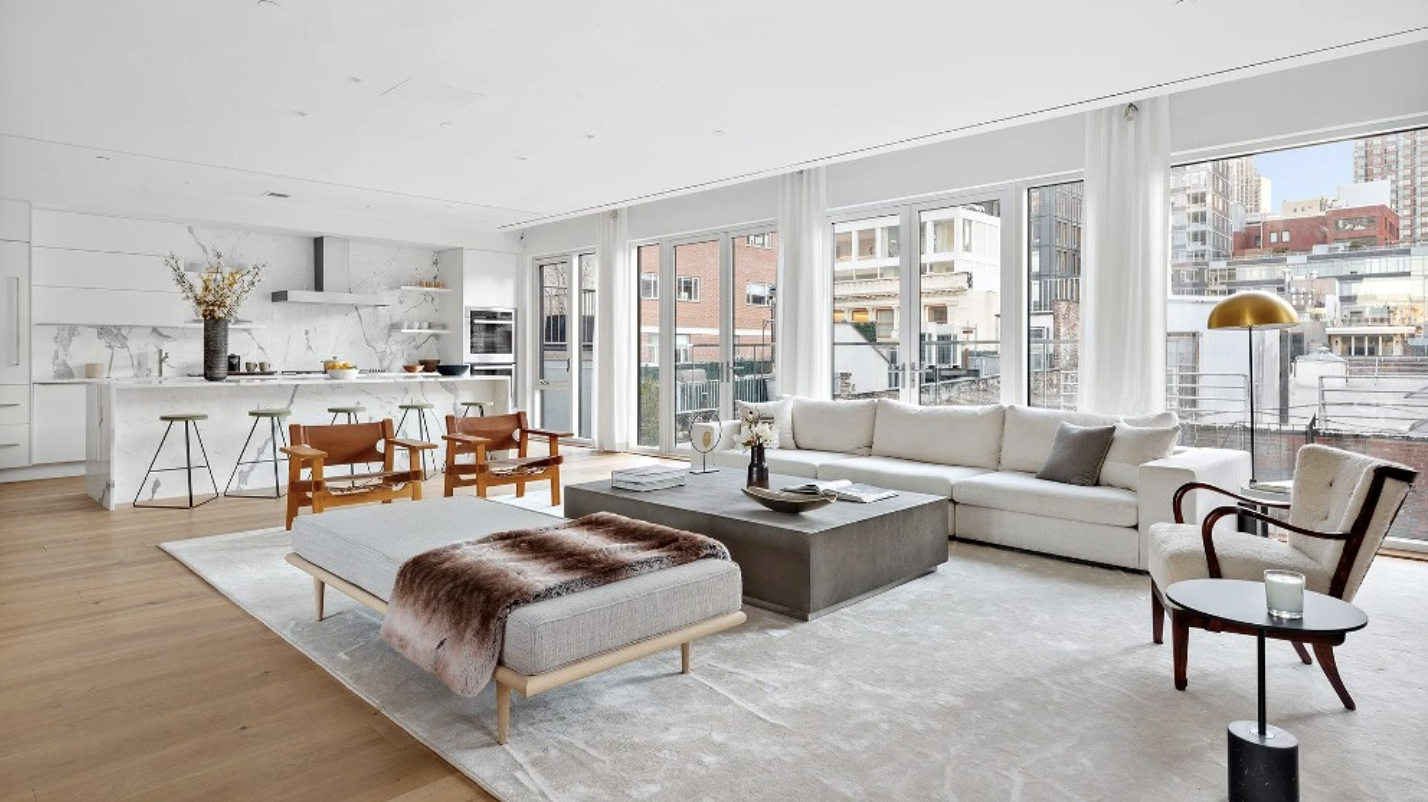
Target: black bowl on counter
452 370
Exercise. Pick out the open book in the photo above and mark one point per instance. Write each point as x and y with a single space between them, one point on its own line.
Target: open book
843 489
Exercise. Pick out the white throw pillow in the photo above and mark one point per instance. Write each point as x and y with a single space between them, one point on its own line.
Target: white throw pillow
780 412
845 427
969 436
1030 432
1132 447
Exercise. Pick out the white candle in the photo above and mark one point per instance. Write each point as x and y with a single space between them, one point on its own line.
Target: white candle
1284 594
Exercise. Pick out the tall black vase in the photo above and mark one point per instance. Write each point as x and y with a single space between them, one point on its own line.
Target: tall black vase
758 468
215 349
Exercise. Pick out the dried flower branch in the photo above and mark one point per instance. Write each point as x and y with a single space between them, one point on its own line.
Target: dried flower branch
219 290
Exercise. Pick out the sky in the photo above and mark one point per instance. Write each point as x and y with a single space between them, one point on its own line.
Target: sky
1301 173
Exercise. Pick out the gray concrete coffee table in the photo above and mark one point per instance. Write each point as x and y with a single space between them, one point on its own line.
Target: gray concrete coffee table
802 565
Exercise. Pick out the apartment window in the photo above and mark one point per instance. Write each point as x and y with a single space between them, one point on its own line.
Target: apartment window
649 286
1273 237
840 315
1054 317
757 294
757 240
686 288
936 314
1284 237
967 236
886 320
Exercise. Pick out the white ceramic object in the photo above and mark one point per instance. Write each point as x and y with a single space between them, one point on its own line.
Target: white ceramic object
346 373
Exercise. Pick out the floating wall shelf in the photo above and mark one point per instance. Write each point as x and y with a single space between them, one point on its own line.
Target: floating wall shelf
339 298
396 328
237 324
415 288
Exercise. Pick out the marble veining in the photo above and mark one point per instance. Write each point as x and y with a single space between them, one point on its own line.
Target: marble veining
291 336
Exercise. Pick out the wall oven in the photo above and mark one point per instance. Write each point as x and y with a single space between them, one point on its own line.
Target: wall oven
490 335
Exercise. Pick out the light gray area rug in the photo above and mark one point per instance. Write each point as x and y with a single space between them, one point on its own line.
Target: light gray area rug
1003 676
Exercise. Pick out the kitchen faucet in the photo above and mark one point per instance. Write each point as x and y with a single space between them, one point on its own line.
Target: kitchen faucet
163 357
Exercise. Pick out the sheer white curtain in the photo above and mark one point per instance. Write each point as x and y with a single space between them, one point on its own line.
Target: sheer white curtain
614 334
1127 258
805 286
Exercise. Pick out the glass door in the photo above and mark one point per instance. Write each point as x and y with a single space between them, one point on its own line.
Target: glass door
585 379
651 374
553 378
700 362
869 360
755 265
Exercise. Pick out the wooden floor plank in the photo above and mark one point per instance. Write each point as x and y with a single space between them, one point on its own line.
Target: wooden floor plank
125 676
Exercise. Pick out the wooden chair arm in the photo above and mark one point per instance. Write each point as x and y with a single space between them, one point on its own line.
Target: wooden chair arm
303 452
412 445
466 439
547 433
1185 489
1207 529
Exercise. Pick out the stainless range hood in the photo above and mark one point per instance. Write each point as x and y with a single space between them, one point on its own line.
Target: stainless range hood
331 279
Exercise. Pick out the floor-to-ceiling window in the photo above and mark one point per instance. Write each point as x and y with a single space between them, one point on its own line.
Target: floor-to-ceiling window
707 310
1053 265
920 324
565 365
586 378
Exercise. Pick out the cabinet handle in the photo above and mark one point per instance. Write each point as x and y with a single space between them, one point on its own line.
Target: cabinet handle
9 445
9 405
15 312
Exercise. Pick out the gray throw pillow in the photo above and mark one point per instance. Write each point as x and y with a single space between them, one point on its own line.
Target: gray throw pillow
1077 454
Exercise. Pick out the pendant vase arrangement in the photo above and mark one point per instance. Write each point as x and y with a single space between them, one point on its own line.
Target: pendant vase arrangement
215 349
758 468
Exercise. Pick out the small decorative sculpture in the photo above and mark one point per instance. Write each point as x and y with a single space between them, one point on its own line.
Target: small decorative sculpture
704 442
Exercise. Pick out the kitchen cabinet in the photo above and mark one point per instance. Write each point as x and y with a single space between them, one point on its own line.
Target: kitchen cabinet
58 423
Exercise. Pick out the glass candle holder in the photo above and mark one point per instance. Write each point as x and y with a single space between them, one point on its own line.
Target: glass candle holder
1284 594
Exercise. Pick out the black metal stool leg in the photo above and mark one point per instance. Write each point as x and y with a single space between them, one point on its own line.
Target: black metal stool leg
153 461
244 450
273 438
207 466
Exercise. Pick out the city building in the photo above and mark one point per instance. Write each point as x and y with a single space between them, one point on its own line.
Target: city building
1402 160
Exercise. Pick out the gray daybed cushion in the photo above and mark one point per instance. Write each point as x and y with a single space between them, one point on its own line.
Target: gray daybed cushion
366 545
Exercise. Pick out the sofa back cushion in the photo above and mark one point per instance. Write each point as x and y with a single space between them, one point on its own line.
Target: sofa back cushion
1031 431
970 436
1132 447
842 426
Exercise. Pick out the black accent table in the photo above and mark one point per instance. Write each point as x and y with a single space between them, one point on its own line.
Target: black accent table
1263 759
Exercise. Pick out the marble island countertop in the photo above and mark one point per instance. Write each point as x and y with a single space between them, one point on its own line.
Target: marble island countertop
291 379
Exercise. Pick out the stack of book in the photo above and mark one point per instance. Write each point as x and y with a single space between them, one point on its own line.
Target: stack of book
654 477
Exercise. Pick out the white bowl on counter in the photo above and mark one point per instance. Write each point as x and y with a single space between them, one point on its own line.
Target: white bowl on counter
343 373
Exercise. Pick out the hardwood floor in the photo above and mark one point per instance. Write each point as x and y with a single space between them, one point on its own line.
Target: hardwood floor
125 676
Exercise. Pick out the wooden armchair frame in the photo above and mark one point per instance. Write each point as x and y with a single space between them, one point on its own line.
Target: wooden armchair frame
359 444
1182 620
501 433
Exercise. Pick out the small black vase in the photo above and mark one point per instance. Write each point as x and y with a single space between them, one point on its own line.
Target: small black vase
758 469
215 349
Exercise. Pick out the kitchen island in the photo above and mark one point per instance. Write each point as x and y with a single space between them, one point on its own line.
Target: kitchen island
124 429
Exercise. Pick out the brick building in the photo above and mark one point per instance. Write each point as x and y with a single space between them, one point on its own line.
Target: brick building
699 297
1358 227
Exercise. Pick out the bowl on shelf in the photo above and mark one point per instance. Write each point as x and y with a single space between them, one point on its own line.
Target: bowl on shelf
412 368
452 370
342 373
779 501
429 365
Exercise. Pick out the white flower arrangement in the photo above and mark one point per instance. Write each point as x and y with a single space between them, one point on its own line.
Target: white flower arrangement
755 431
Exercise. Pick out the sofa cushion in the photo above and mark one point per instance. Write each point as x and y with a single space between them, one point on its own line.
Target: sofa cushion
1132 447
970 436
845 426
786 461
1177 552
899 474
780 412
1015 491
1076 454
1031 431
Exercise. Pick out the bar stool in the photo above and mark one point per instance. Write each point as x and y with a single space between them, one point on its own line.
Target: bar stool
424 433
275 432
351 412
479 405
190 432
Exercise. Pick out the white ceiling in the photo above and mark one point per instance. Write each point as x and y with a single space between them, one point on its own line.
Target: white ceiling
454 116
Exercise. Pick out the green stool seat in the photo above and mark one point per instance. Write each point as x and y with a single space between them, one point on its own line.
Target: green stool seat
352 410
425 432
270 413
479 405
180 417
417 405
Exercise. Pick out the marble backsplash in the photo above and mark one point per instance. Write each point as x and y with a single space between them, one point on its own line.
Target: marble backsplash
290 336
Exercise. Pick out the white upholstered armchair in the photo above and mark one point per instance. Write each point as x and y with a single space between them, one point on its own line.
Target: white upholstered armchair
1343 505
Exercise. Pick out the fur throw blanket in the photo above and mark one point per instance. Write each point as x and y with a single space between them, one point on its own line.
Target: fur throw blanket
449 607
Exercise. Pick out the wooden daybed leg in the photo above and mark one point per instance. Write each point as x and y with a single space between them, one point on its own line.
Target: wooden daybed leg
685 656
503 712
1302 652
318 589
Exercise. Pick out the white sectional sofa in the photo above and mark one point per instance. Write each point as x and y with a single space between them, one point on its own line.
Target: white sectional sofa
984 461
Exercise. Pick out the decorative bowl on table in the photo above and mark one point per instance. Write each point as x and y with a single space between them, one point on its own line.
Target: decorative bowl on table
429 365
412 368
342 373
779 501
452 370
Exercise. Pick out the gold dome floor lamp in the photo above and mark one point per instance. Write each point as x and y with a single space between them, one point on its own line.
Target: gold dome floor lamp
1249 311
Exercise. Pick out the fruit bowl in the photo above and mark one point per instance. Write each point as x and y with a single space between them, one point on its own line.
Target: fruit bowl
452 370
793 503
429 365
342 373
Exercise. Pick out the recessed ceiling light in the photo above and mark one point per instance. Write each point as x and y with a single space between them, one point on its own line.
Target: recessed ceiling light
276 195
447 205
718 133
448 124
299 114
522 159
589 136
354 79
102 158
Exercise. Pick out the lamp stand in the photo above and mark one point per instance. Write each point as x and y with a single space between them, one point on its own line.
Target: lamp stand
1249 333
